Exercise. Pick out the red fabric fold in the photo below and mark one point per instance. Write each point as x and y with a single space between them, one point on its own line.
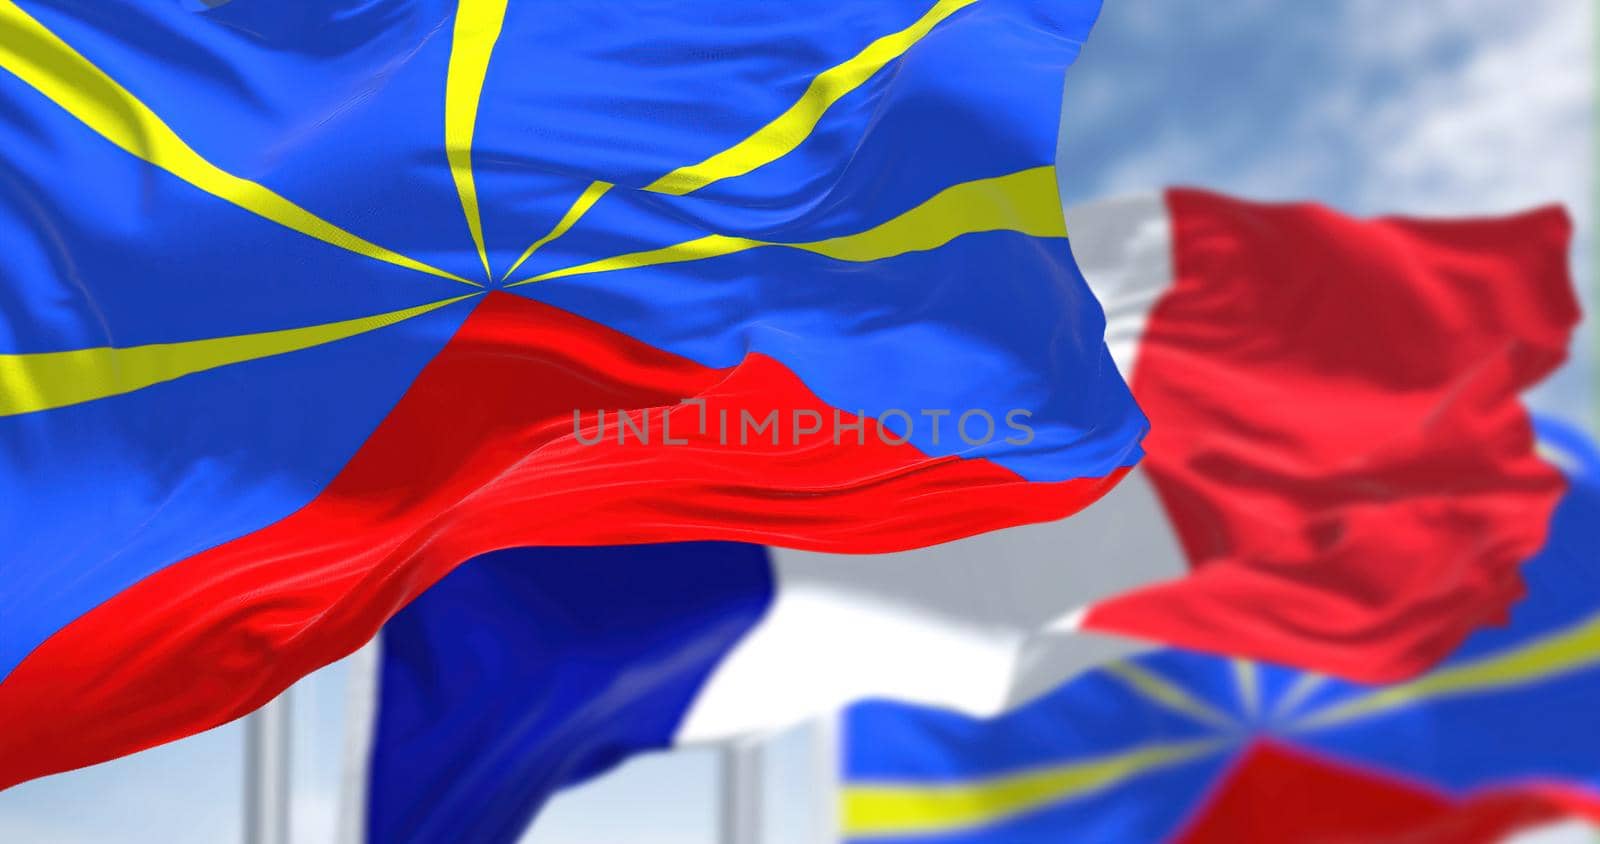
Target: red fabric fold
481 454
1337 434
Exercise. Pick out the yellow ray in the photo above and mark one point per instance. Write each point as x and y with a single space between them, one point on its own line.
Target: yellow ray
1248 681
478 24
902 809
1556 456
786 131
580 207
48 64
1162 691
1026 202
40 381
1304 687
1573 649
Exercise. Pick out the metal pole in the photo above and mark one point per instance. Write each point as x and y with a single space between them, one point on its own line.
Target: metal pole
266 773
827 764
360 719
740 821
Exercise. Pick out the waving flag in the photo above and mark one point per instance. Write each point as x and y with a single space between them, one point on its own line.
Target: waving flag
306 302
1337 439
1183 747
667 645
532 669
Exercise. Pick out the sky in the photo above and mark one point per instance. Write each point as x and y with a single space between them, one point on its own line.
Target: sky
1440 107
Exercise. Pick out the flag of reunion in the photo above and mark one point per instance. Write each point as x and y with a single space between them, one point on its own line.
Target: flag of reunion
1181 747
306 302
1340 476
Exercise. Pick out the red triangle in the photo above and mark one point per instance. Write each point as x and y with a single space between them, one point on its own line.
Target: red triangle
482 453
1282 795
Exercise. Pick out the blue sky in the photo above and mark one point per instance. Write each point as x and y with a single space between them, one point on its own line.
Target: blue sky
1425 107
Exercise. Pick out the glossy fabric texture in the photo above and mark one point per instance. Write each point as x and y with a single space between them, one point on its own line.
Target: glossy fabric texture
237 237
1244 321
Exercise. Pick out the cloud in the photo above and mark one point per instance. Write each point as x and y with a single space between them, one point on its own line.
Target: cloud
1450 108
1492 109
1456 107
1494 113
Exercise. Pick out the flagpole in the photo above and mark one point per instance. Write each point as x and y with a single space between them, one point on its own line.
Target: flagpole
266 773
740 800
360 719
826 761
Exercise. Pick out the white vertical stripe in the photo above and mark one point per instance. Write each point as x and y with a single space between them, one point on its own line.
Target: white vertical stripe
977 625
985 623
1124 248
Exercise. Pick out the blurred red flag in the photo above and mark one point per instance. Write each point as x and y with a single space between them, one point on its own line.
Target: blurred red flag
1337 437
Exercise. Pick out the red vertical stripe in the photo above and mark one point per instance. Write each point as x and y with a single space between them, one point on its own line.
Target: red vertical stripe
1336 430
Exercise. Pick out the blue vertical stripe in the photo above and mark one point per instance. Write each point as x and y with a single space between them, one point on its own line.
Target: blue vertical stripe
531 669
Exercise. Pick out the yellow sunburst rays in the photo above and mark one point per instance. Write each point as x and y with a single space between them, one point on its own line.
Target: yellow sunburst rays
1247 681
478 24
1567 651
45 380
895 809
782 135
1300 691
580 207
1026 201
1169 695
872 810
39 58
